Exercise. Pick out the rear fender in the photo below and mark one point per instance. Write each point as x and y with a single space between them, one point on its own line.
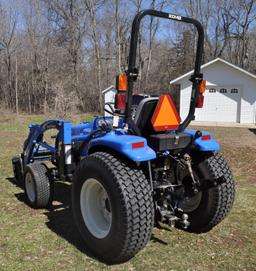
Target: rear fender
123 144
204 145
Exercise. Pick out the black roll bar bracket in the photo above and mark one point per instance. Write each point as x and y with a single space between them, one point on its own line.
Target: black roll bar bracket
133 74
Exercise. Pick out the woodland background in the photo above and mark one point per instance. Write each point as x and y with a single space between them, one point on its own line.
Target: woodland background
60 54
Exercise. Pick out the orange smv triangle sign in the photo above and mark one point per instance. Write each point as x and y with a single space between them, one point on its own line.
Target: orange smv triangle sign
165 116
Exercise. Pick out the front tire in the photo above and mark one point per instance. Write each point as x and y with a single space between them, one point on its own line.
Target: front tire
112 206
38 185
211 206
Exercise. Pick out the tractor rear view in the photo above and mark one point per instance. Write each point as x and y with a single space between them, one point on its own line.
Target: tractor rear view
131 171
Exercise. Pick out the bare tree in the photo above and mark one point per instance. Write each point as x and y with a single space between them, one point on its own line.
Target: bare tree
244 14
60 54
91 8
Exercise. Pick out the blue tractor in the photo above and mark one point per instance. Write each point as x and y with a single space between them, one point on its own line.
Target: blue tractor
131 172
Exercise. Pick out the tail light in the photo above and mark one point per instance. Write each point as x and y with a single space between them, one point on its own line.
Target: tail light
200 98
120 100
121 87
200 101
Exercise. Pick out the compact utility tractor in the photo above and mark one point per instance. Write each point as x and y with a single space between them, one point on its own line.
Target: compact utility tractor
130 173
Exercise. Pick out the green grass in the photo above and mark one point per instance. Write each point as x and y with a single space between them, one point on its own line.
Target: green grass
48 240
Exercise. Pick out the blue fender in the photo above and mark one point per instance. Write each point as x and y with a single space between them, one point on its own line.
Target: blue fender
123 143
204 145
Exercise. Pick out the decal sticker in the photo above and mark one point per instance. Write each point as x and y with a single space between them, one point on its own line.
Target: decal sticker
68 157
175 17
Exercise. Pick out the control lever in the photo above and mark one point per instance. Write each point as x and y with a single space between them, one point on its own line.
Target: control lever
197 135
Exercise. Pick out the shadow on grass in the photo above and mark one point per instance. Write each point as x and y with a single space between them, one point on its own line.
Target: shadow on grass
154 239
253 130
60 217
14 182
59 214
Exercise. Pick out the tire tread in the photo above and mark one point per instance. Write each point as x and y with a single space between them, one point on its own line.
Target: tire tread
222 196
225 192
42 182
136 200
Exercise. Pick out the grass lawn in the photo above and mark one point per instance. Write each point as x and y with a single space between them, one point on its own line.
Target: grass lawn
48 239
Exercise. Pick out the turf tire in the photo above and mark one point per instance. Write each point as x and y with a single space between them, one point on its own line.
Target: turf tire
216 202
131 201
42 185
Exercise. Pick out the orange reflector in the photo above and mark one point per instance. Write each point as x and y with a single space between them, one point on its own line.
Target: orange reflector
137 145
202 86
121 82
206 137
165 116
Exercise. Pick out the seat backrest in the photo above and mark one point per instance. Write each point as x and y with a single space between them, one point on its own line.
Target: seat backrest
144 114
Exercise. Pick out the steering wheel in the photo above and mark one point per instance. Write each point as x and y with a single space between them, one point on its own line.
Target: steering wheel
110 105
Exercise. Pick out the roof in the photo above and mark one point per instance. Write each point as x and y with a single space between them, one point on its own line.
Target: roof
210 63
108 89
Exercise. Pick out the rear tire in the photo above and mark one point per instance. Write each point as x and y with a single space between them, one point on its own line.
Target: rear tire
215 203
38 185
130 205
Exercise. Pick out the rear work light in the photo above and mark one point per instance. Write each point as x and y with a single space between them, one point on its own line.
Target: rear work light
121 87
138 145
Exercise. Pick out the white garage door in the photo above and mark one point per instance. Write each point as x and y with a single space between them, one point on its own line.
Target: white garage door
220 104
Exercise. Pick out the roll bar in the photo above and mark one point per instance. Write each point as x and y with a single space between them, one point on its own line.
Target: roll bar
132 71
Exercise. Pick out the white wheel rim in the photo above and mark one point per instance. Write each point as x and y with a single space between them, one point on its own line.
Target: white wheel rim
30 187
96 208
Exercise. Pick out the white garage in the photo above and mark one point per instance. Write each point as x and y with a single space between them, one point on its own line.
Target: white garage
230 95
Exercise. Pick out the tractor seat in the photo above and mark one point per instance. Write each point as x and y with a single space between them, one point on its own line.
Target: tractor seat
144 114
161 140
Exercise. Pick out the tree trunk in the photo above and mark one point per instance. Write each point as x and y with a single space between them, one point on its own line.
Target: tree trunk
16 86
92 13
